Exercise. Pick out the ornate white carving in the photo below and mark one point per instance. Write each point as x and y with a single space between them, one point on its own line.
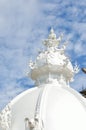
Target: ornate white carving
52 40
5 117
32 65
76 68
33 124
53 60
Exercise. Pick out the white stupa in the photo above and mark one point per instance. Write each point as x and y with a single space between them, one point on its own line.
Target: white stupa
52 104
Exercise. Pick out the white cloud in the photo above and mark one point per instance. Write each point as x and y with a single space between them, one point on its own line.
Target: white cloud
80 48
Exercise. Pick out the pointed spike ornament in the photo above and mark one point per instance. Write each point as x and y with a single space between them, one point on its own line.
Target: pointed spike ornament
52 41
52 35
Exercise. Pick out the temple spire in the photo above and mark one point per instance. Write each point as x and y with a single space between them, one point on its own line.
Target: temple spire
52 41
52 34
52 63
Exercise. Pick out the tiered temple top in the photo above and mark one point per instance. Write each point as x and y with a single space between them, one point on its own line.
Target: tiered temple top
52 64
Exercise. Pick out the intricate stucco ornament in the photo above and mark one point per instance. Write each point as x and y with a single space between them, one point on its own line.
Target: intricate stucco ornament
76 68
52 41
5 117
52 61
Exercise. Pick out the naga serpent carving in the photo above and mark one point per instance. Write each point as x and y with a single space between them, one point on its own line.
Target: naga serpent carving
36 123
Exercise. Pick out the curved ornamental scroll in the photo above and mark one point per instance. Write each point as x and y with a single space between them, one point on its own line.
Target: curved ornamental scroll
5 118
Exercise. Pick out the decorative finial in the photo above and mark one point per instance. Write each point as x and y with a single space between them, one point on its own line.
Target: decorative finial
52 34
52 41
51 30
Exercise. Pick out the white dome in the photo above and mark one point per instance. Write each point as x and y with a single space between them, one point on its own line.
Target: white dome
54 106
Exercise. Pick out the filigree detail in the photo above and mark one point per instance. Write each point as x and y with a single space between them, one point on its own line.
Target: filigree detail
52 41
53 60
76 68
5 117
32 65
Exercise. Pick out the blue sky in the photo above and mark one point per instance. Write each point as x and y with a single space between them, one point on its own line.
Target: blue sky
23 26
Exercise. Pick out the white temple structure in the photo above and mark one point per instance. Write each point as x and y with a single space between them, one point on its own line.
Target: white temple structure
52 104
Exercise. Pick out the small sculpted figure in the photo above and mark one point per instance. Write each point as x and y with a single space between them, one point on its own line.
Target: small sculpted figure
32 124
